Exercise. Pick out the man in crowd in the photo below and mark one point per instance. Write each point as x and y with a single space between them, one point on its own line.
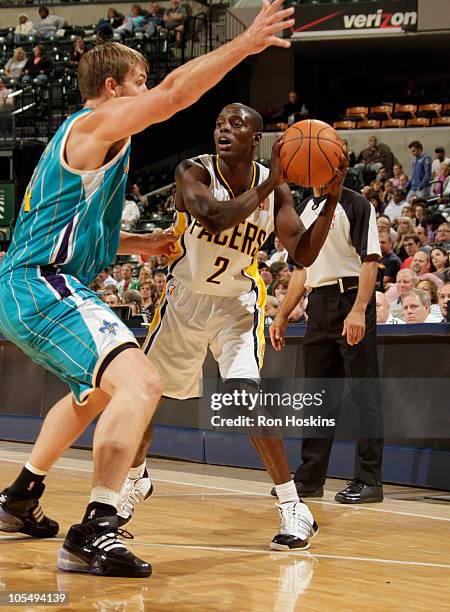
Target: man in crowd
419 183
279 254
416 307
440 159
411 244
47 25
389 263
159 280
405 282
174 18
394 209
265 274
127 277
443 236
420 263
371 159
384 315
421 232
444 298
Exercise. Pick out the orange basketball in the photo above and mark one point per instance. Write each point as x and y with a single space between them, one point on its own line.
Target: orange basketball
310 153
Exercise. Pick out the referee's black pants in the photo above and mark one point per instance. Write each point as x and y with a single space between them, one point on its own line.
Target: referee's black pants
327 355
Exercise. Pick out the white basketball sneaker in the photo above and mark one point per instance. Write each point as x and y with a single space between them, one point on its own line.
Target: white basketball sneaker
298 527
132 493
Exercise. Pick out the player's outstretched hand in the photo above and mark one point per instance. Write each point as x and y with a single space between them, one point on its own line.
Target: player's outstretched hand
270 20
159 244
334 187
277 331
276 170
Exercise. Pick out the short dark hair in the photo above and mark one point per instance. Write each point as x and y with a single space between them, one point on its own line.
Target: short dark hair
439 150
416 144
414 237
43 9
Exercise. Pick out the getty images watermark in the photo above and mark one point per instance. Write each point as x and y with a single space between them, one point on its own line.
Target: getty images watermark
267 409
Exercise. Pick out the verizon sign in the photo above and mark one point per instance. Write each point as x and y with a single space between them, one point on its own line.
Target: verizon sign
362 17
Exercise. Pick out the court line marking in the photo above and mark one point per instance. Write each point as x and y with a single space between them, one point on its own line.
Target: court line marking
354 508
252 551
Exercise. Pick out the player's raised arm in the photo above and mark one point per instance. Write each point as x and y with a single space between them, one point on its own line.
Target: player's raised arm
120 118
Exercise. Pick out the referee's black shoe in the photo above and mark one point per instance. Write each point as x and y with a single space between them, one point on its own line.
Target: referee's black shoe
25 515
358 492
95 548
302 492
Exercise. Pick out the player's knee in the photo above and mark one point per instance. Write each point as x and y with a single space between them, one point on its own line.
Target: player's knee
148 389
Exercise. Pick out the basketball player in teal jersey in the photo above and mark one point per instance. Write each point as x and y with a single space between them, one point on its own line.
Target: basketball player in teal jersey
67 232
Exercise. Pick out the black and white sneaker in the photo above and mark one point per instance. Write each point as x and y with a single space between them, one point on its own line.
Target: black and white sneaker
133 492
298 527
95 548
25 515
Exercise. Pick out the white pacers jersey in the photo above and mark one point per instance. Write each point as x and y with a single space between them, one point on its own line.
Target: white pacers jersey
223 264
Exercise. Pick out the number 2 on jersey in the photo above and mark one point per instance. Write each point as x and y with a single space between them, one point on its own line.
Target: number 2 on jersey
222 264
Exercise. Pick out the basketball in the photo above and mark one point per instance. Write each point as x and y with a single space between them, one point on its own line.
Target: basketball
310 153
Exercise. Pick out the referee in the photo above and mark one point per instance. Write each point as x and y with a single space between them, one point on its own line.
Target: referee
340 340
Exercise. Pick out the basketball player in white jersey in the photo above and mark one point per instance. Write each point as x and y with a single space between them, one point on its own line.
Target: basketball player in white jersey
227 205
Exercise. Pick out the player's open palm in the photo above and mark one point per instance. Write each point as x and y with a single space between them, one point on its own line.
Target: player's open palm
270 20
277 331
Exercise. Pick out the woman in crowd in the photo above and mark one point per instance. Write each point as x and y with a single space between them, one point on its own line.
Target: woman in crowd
431 288
133 23
442 185
78 51
38 66
440 263
419 215
404 227
16 64
407 211
149 299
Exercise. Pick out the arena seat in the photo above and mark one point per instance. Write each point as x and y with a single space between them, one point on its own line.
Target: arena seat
429 110
446 110
404 111
368 124
418 122
344 125
356 113
441 121
383 111
393 123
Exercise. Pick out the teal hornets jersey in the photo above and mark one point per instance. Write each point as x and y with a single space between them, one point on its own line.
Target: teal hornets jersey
70 219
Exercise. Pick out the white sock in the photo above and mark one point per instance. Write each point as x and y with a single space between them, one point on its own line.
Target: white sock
137 472
34 470
103 495
287 492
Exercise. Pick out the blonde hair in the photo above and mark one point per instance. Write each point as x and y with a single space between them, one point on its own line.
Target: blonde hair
106 60
18 50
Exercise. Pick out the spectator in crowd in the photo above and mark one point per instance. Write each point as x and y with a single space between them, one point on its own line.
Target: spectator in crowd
444 298
442 236
133 299
430 287
388 193
437 163
404 227
112 299
4 93
117 273
405 282
411 245
148 295
169 204
440 265
154 20
416 307
397 172
403 182
114 18
130 214
163 264
375 200
48 25
262 257
382 176
419 214
159 280
389 263
384 315
278 270
174 18
127 278
105 27
141 200
371 159
38 67
78 51
407 211
106 277
384 225
394 209
441 186
350 153
279 253
133 23
144 276
419 183
294 106
423 237
2 254
420 263
15 66
265 274
24 29
376 187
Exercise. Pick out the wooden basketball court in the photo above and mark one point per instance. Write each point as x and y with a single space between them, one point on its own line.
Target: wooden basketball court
206 530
